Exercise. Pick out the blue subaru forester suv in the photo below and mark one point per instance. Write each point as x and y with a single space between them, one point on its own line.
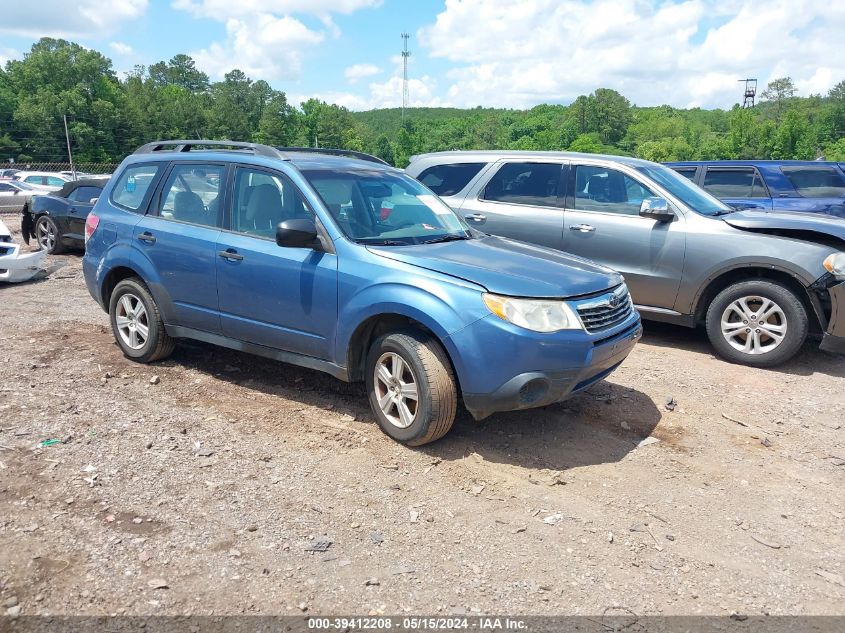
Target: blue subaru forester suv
334 260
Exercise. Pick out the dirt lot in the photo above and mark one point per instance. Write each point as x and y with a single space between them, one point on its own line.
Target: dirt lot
200 494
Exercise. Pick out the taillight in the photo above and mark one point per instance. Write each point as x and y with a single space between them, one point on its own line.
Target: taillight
91 225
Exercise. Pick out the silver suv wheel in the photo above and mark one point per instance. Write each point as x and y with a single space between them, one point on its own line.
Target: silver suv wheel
754 325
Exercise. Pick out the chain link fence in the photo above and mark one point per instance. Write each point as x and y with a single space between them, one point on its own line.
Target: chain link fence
81 168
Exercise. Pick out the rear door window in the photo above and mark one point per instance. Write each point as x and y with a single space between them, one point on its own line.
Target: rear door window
816 182
447 180
533 184
744 182
133 185
191 194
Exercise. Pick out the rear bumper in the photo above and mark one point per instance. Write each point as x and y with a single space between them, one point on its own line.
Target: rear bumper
532 389
833 340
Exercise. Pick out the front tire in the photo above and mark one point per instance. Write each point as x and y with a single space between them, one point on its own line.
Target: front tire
411 387
47 235
136 323
758 323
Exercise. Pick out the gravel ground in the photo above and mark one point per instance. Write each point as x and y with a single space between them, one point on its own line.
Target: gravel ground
198 485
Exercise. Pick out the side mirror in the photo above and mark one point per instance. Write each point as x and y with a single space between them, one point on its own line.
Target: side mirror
299 233
656 209
93 200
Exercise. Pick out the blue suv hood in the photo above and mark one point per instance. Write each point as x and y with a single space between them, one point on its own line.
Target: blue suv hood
507 267
785 221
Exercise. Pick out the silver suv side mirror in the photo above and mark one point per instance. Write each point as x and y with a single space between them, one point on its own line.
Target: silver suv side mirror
656 209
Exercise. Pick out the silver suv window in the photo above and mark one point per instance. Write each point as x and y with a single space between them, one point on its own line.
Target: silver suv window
449 179
534 184
607 190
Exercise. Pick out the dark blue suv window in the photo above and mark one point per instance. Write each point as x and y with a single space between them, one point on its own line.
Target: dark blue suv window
742 182
816 182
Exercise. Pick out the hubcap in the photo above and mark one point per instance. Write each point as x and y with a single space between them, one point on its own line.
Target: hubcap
396 390
132 324
754 325
45 234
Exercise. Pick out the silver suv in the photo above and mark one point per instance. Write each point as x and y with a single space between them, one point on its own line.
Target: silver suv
759 282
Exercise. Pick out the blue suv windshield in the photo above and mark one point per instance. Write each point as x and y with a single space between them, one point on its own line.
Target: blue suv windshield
685 190
385 208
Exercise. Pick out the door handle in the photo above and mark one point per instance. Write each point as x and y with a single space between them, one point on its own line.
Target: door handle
583 228
231 254
147 237
476 217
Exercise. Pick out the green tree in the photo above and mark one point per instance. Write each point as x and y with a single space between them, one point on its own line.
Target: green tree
779 91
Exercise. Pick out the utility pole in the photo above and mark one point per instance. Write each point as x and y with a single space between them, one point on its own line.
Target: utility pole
405 56
69 153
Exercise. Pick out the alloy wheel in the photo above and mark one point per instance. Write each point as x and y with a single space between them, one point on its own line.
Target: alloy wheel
396 390
45 235
754 325
132 321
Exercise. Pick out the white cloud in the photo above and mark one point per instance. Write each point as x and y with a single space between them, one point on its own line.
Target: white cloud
263 46
522 52
263 38
226 8
422 92
57 18
7 54
121 48
359 71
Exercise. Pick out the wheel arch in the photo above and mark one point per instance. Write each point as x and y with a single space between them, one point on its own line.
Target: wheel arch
375 326
749 273
114 277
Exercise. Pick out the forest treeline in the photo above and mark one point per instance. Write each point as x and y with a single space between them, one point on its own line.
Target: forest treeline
108 117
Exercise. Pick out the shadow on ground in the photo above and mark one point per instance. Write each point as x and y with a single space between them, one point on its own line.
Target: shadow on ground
810 360
600 425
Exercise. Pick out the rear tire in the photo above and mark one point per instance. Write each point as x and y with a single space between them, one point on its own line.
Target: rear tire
47 235
136 323
757 323
411 387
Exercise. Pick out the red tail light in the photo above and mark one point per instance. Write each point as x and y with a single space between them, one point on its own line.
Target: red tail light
91 225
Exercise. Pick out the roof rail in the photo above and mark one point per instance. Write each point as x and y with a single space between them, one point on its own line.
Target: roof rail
188 145
335 152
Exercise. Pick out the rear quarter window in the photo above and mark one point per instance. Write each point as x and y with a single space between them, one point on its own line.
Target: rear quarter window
447 180
816 182
131 187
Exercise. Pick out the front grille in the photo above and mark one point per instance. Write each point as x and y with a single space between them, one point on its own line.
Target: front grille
600 314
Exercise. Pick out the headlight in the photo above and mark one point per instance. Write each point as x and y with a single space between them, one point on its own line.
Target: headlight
540 315
835 264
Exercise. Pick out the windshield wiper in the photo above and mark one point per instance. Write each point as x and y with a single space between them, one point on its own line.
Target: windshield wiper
451 237
383 243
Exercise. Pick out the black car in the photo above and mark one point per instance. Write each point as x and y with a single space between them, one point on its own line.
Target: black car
57 220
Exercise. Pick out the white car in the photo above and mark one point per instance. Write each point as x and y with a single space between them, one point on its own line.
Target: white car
16 266
44 180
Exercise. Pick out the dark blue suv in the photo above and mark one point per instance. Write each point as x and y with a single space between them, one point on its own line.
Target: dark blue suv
347 265
770 185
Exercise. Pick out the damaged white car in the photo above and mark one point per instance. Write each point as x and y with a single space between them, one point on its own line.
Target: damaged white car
14 265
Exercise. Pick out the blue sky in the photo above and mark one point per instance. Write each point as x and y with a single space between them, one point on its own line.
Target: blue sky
503 53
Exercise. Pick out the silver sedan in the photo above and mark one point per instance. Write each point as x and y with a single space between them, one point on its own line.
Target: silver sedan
14 195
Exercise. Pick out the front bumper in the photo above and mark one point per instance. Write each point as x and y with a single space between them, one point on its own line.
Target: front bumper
833 339
16 266
528 371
